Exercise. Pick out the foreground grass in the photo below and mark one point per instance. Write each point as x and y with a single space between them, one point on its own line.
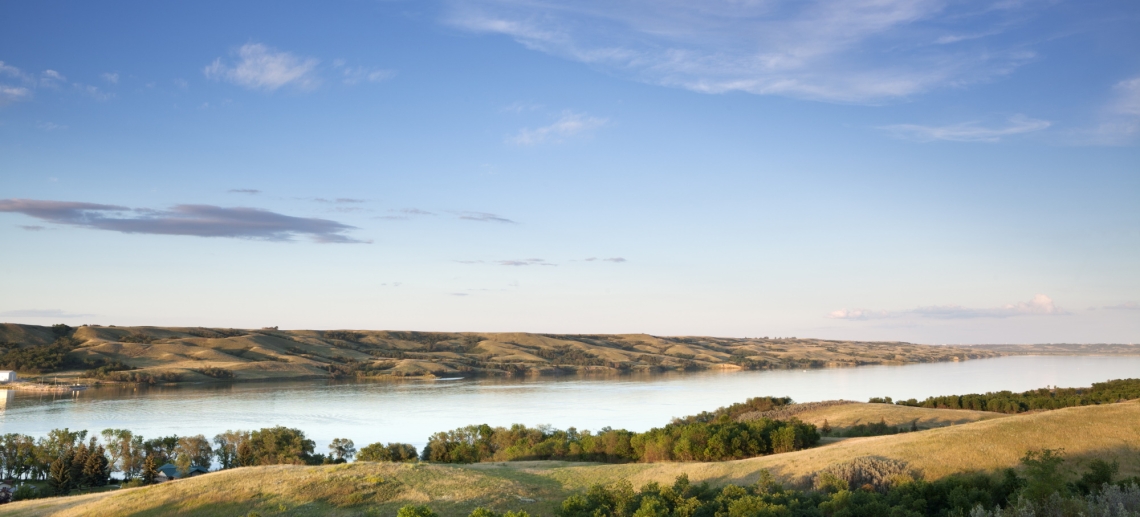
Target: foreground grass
1108 432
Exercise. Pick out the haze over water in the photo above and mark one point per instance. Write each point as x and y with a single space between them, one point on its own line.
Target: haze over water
411 411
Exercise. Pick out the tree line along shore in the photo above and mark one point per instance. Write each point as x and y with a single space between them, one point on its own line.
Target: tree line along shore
152 355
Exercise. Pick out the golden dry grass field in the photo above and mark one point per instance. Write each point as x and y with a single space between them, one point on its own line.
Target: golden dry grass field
1109 431
195 354
841 417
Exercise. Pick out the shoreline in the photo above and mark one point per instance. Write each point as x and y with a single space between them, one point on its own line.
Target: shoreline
42 387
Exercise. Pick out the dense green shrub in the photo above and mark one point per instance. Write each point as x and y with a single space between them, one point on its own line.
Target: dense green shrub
344 335
144 377
215 372
390 452
139 337
281 445
39 358
1039 399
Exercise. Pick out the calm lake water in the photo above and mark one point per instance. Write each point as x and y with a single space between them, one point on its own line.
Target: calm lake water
411 411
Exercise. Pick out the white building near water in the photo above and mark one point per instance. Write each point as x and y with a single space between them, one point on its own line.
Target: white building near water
7 376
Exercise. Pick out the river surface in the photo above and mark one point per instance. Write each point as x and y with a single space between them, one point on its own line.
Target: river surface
410 411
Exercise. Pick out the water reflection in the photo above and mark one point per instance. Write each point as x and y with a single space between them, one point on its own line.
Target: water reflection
409 411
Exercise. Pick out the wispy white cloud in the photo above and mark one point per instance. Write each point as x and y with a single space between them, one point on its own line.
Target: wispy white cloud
858 314
1122 120
404 214
1119 119
94 92
525 262
259 67
41 313
968 131
1128 97
514 262
1126 306
48 79
834 50
52 79
484 217
351 75
10 71
111 77
21 91
610 259
1040 305
568 125
520 107
10 94
50 126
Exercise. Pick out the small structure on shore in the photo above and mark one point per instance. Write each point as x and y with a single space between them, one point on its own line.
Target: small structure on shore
169 472
7 376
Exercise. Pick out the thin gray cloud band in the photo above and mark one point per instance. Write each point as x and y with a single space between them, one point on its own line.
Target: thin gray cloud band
193 220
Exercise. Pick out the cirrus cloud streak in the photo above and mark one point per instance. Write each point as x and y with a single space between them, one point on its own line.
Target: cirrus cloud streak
861 51
968 131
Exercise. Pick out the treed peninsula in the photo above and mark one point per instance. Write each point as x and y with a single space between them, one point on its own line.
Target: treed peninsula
96 353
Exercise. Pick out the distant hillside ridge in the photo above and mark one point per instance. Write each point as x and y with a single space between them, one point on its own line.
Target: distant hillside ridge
198 354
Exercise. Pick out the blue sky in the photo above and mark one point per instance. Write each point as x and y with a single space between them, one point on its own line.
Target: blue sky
929 171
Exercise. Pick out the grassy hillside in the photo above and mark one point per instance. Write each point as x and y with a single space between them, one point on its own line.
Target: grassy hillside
1107 431
844 416
201 354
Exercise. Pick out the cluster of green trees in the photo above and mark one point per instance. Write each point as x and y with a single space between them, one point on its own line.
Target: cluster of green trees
1039 399
67 460
138 337
54 356
732 412
389 452
39 358
568 355
721 439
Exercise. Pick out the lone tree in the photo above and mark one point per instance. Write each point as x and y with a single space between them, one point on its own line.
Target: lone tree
59 475
150 471
342 449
